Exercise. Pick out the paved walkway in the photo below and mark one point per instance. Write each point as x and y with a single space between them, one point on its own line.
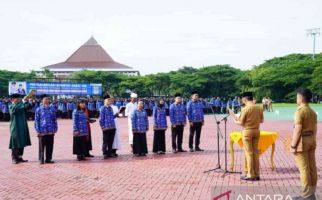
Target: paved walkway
169 176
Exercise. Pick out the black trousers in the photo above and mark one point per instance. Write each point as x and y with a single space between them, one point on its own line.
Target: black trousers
46 143
108 139
64 115
139 143
70 114
6 117
159 141
17 153
177 135
195 130
80 145
224 110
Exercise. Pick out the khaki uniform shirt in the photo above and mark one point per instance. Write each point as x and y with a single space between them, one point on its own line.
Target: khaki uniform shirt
306 117
251 116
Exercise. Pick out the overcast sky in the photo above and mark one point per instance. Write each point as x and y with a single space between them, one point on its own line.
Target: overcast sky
157 36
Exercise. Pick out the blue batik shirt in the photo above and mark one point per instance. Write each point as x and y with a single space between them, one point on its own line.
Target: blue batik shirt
71 106
45 120
107 118
62 107
91 106
230 103
223 104
217 103
80 122
177 114
195 111
159 117
140 122
5 107
235 102
99 104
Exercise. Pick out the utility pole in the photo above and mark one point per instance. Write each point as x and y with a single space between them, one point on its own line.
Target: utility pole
313 32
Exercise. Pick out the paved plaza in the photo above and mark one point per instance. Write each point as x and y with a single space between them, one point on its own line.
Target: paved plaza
169 176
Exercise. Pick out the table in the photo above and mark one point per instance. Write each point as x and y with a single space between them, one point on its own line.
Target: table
266 140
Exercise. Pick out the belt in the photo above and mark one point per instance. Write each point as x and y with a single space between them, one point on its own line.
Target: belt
309 133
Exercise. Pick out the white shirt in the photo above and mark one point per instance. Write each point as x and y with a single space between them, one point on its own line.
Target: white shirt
130 108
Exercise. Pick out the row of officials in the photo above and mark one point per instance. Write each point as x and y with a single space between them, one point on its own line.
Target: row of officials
303 143
45 124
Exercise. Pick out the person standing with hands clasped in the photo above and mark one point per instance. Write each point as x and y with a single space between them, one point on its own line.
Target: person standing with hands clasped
46 127
140 126
159 126
303 144
196 120
178 120
107 124
251 117
80 130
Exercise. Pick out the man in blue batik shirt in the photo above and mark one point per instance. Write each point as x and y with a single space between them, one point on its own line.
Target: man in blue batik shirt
70 107
46 127
196 120
108 126
178 120
236 105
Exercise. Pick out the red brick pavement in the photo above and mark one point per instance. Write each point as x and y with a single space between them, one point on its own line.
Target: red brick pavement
169 176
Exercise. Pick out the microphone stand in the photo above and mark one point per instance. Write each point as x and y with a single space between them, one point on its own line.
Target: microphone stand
218 166
226 171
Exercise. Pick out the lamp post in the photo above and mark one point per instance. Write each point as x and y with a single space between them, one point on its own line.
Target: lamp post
313 32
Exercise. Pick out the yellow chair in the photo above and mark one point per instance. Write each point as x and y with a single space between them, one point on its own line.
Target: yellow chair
266 140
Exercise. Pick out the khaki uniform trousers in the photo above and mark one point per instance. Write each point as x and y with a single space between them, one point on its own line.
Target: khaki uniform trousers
306 163
250 141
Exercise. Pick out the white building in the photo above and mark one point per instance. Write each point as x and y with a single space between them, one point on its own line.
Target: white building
90 56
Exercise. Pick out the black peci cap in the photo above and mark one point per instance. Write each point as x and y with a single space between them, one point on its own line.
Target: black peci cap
247 94
44 96
194 92
177 95
14 96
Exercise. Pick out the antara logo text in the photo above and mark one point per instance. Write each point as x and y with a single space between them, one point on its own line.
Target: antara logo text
264 197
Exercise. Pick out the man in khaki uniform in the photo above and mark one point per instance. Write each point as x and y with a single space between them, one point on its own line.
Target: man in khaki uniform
250 118
303 144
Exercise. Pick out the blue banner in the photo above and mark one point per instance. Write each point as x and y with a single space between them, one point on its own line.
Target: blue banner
56 88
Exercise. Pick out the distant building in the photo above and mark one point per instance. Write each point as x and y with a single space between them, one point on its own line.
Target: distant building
90 56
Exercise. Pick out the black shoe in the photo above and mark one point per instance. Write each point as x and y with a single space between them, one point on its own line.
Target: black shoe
15 161
191 150
105 157
161 152
41 162
174 151
22 160
257 178
50 161
182 150
112 156
198 149
245 178
297 198
89 156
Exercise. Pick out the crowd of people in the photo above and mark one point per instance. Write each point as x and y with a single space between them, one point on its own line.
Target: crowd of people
64 107
83 112
181 113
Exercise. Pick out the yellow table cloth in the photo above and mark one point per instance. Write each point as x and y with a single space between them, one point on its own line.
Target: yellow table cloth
266 140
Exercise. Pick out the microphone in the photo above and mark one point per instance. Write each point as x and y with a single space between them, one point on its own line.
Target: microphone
225 118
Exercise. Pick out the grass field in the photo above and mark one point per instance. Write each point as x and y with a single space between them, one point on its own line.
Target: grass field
291 105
